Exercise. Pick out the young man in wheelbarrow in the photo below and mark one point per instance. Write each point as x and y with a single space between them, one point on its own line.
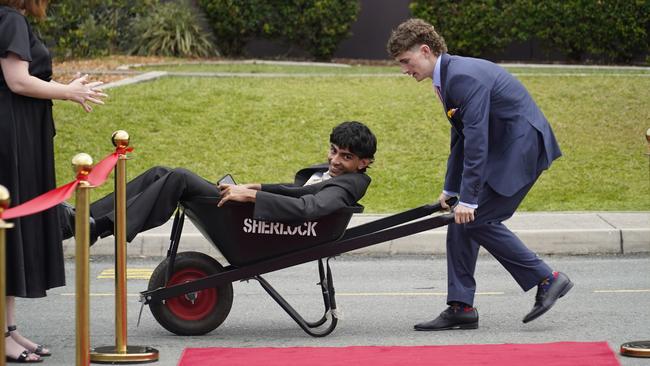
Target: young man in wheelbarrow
317 191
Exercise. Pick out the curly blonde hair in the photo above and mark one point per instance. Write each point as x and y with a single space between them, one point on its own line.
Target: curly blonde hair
415 32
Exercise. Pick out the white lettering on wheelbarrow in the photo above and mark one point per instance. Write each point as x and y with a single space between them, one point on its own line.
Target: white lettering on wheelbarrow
263 227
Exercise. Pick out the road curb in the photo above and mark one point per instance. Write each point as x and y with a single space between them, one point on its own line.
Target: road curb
545 233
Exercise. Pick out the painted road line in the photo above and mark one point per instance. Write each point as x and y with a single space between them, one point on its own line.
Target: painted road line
131 273
620 291
409 293
493 293
551 74
98 294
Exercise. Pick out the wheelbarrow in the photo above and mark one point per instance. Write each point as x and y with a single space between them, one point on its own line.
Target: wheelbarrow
190 293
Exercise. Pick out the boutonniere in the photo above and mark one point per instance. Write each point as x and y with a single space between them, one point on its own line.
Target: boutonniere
451 112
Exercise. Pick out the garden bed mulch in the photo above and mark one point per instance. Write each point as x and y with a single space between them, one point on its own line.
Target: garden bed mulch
106 69
113 68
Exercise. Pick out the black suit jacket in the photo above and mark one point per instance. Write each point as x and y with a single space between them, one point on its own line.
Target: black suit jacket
295 202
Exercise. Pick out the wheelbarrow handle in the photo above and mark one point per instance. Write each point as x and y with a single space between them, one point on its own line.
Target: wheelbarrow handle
451 202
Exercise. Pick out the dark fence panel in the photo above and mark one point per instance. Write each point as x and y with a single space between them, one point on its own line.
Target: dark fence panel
370 32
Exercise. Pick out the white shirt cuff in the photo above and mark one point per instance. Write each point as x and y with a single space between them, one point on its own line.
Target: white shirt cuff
470 205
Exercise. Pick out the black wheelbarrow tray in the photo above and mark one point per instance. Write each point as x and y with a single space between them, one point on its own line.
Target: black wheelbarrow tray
190 293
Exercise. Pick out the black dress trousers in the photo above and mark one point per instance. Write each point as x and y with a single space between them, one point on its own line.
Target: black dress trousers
152 198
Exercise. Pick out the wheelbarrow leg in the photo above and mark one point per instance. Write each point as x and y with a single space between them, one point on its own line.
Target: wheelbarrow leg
174 240
327 289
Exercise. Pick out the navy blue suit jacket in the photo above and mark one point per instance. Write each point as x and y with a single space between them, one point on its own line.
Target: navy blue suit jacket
494 134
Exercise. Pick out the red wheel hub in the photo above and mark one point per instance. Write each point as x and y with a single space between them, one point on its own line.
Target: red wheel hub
195 305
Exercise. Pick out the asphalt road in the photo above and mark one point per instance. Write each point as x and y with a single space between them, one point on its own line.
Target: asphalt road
380 299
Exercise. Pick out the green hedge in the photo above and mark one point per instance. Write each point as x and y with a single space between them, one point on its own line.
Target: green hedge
317 26
236 22
616 30
470 27
612 30
91 28
86 28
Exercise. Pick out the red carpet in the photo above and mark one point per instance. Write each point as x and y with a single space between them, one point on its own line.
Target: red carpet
548 354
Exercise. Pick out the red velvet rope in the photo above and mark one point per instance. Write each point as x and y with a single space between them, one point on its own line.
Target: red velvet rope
47 200
42 202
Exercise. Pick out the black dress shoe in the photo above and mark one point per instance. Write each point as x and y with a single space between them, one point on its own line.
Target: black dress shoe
66 220
92 233
67 215
455 317
544 300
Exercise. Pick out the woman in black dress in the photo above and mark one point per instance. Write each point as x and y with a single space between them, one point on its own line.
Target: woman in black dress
34 249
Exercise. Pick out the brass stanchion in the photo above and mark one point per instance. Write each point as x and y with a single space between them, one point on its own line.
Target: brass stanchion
4 204
636 349
639 348
82 164
121 352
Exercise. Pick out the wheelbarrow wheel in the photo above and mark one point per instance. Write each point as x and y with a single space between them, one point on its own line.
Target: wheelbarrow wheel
195 313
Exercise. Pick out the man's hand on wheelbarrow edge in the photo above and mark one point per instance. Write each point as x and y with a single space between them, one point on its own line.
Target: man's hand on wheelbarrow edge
238 193
462 214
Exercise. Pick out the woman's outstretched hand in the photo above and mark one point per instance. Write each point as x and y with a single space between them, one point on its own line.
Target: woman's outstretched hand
84 92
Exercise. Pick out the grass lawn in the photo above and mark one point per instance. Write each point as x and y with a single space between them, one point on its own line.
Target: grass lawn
271 68
363 69
265 129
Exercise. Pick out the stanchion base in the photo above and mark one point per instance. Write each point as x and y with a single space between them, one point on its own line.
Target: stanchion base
134 354
636 349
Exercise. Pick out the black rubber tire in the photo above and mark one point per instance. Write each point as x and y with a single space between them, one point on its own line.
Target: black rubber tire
181 316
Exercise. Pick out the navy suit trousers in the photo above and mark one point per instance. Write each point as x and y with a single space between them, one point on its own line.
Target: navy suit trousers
488 231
